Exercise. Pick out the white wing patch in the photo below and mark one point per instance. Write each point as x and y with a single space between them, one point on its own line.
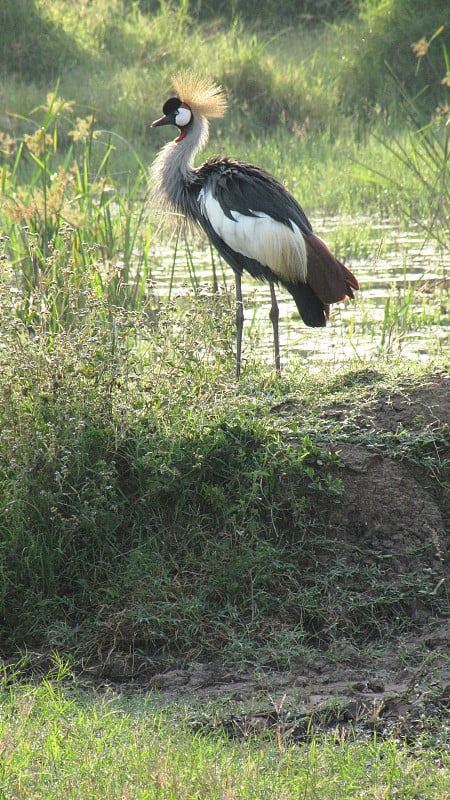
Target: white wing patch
273 244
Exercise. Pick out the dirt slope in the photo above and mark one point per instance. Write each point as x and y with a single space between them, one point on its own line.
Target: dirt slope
400 686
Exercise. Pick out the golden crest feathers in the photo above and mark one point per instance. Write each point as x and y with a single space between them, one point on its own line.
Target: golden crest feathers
204 98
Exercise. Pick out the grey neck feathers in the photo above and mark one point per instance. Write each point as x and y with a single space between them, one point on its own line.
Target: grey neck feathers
173 169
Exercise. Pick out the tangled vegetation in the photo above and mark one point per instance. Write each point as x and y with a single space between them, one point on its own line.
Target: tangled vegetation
145 517
156 516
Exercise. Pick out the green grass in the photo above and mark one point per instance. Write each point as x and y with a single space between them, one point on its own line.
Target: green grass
57 742
85 340
150 507
173 510
287 89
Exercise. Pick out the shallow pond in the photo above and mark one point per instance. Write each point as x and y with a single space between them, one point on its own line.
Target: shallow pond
403 306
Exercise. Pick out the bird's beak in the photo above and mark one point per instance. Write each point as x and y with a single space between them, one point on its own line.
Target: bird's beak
165 120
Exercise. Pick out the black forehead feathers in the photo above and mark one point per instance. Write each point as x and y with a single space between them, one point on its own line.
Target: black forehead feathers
172 104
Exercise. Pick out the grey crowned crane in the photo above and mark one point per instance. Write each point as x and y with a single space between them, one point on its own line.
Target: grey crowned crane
252 220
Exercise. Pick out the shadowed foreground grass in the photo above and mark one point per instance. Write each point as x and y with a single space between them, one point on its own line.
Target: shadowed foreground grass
147 502
56 742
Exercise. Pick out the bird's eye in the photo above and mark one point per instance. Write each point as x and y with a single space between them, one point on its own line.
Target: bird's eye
183 116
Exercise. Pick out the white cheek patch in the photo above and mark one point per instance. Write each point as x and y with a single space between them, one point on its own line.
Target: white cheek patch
273 244
183 117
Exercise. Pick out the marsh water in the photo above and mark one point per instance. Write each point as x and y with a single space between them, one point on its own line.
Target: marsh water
403 307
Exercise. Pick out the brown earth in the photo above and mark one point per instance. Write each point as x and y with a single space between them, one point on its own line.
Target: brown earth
398 687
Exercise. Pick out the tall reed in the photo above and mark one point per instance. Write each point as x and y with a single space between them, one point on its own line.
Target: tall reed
68 223
421 184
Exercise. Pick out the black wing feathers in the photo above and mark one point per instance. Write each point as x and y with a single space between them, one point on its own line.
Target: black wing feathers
249 190
313 312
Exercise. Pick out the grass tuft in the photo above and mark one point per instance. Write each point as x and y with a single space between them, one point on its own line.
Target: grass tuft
106 745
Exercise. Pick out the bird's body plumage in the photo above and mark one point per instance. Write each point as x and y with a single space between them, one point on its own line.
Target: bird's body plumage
250 217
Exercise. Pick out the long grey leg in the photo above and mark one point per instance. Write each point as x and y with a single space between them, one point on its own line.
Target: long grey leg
274 317
239 323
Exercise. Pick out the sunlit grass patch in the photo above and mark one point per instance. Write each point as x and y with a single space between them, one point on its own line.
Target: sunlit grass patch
58 741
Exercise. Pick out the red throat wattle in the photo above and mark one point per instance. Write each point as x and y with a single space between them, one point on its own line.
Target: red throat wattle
183 133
